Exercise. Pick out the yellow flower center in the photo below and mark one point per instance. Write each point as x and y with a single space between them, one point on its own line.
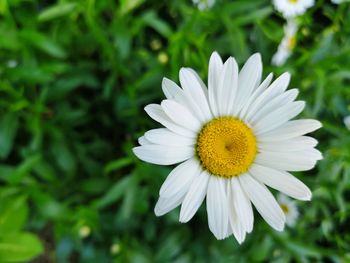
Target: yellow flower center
226 147
284 208
293 1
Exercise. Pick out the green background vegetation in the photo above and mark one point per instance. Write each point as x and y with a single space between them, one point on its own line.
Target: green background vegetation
74 78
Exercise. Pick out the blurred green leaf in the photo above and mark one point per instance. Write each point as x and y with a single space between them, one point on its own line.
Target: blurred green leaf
43 43
13 214
115 192
19 247
8 131
56 11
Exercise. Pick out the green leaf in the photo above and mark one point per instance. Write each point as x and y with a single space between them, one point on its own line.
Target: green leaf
43 43
56 11
116 165
8 130
13 214
19 247
115 192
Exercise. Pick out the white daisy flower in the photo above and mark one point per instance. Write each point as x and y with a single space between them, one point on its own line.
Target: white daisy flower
204 4
292 8
287 44
337 2
289 208
347 122
232 139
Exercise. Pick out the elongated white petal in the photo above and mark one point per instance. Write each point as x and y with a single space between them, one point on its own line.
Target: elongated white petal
143 141
180 115
163 155
217 207
290 130
255 95
237 226
180 177
281 181
248 80
288 161
195 94
290 145
228 86
277 87
156 112
215 68
164 136
277 102
164 205
278 117
194 197
200 81
171 90
242 205
263 201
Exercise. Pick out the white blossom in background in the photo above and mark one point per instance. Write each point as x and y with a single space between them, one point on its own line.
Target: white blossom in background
204 4
347 122
289 208
337 2
292 8
287 44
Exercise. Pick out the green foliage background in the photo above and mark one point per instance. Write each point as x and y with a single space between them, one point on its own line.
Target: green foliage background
74 78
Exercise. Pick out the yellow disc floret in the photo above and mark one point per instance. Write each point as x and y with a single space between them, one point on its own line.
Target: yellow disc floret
226 147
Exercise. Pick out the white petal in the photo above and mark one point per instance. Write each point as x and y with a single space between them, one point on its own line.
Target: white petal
255 95
228 86
290 130
180 115
180 177
200 81
277 87
242 205
274 104
143 141
290 145
215 68
164 136
263 201
164 205
290 161
195 94
217 207
171 90
194 197
163 155
248 80
281 181
278 117
156 112
235 224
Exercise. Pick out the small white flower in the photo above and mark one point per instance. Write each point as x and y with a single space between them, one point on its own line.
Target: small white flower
347 122
292 8
289 208
204 4
337 2
287 44
231 140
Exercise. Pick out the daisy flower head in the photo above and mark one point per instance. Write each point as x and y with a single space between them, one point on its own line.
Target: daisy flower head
232 140
287 44
289 208
204 4
292 8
